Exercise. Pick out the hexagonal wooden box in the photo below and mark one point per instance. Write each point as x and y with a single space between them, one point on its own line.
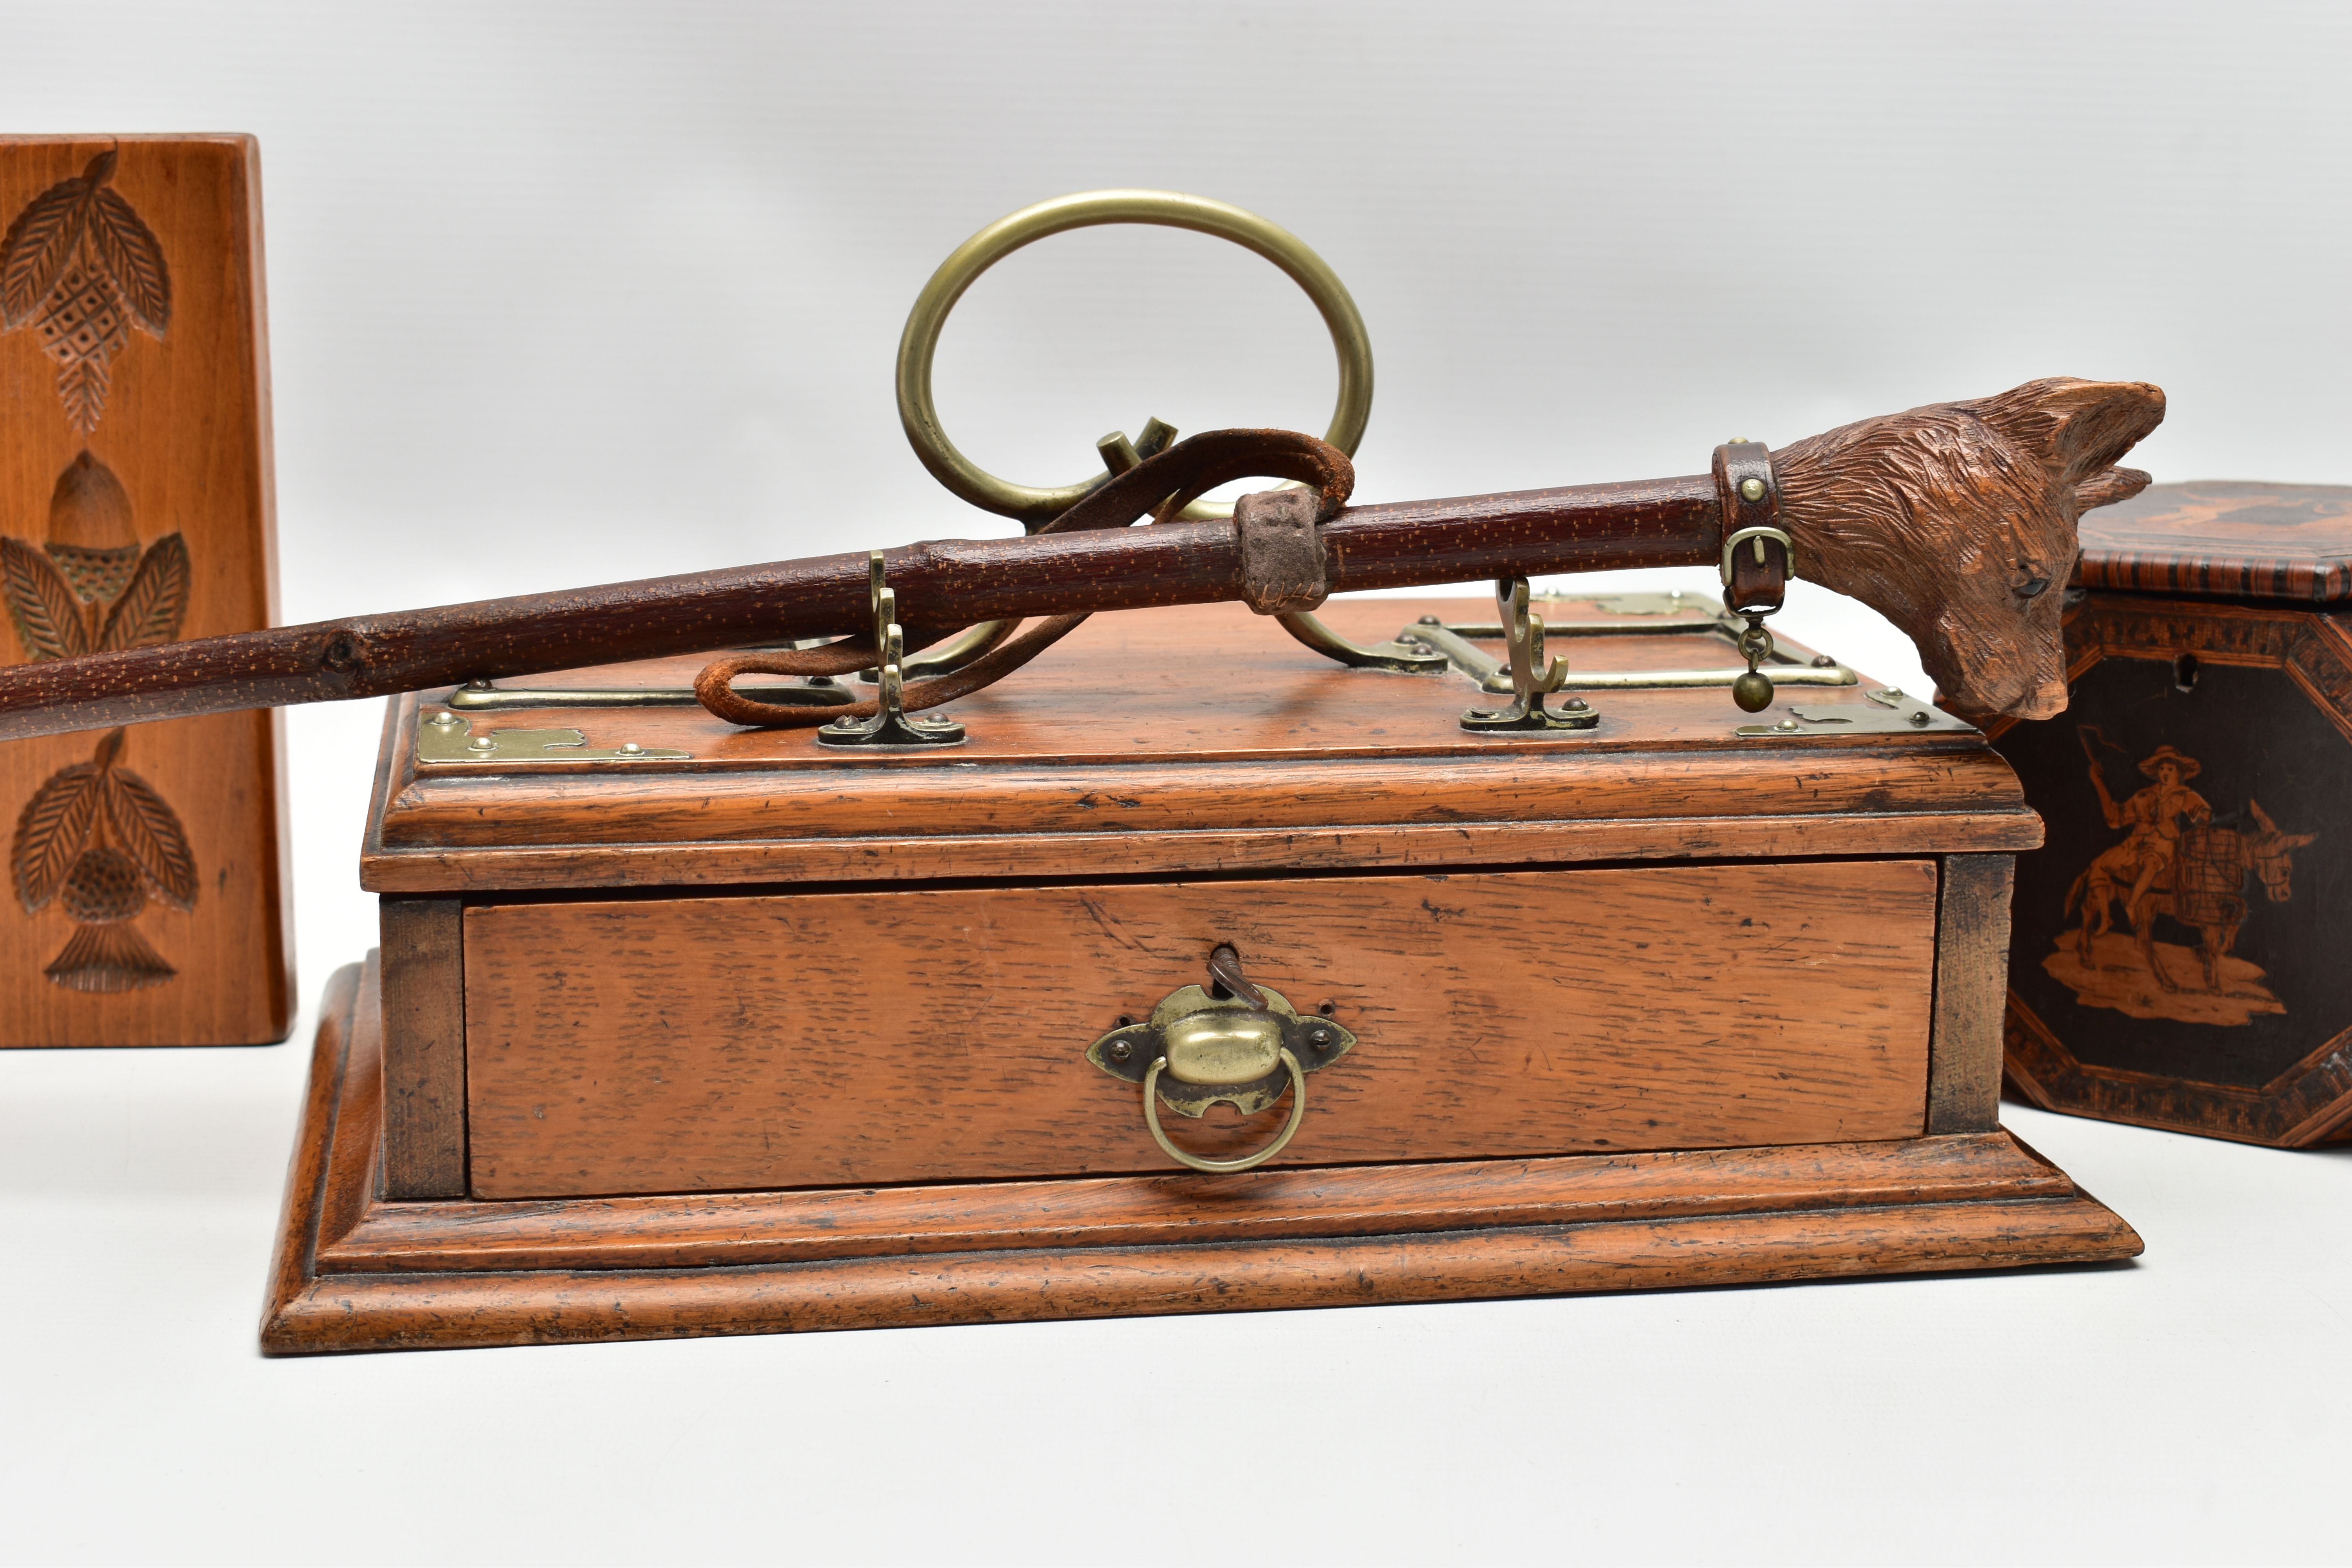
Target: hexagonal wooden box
2177 945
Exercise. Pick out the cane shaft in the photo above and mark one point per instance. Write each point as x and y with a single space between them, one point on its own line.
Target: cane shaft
943 583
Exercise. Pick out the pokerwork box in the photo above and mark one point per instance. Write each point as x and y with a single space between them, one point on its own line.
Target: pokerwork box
2174 959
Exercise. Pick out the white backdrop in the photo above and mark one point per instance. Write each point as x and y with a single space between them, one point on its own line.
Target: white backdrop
564 294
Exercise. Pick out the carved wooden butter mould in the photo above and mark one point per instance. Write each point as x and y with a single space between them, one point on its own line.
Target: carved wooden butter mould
147 876
683 1030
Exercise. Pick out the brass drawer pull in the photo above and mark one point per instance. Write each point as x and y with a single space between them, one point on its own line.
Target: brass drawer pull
1235 1042
1221 1167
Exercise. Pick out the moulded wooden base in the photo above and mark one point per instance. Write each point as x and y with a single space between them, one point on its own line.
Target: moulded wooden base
356 1272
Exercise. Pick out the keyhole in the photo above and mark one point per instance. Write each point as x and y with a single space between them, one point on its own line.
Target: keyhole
2184 672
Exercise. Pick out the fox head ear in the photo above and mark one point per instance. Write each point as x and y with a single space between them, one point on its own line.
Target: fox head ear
2108 487
2080 428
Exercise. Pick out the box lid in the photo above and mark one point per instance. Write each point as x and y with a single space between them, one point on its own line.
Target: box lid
2228 538
1189 740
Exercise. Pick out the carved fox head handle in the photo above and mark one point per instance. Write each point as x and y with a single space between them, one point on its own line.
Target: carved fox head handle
1957 521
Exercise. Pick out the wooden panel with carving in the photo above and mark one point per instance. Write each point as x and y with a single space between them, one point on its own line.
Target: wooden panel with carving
147 874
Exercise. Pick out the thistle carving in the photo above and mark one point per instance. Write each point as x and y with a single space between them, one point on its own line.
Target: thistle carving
82 267
98 840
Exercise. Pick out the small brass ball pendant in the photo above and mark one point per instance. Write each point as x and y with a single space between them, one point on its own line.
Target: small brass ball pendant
1752 691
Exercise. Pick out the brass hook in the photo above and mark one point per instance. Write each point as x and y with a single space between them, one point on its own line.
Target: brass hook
890 726
1523 635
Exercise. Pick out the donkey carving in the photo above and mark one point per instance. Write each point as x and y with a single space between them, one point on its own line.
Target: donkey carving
2205 889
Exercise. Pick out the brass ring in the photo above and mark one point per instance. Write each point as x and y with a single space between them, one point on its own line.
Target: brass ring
1224 1167
1033 504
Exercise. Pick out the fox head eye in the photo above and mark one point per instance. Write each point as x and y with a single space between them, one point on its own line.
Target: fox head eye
2029 580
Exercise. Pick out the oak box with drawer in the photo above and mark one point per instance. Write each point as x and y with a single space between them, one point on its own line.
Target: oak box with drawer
1204 975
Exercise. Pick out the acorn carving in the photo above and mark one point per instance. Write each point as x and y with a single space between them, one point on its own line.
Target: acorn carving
91 541
88 588
99 842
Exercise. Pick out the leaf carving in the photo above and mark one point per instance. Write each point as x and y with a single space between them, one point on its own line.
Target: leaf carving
149 831
129 251
40 244
53 830
155 600
48 616
82 385
81 262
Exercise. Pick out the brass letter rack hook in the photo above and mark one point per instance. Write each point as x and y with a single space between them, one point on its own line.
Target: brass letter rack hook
890 727
1523 633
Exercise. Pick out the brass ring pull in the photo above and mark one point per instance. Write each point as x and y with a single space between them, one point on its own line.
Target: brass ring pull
1223 1167
1235 1042
1033 505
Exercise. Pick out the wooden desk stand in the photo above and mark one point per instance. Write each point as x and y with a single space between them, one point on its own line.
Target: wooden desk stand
758 1036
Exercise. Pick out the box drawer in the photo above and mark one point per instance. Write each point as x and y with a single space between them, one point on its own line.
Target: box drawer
735 1043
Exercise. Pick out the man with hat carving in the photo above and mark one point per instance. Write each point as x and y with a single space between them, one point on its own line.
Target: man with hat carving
2154 815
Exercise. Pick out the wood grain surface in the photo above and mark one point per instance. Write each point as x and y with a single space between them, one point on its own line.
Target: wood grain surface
720 1043
2230 539
328 1104
182 428
1189 740
1971 989
728 1230
424 1023
353 1272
